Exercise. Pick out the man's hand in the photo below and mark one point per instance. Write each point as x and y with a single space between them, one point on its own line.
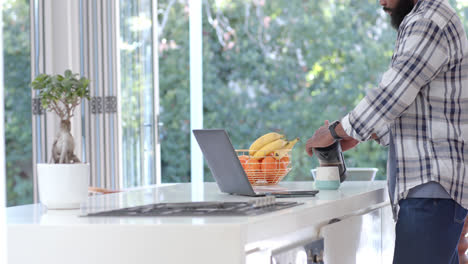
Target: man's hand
323 138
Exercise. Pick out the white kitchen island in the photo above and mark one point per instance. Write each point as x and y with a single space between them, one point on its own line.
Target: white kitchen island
355 223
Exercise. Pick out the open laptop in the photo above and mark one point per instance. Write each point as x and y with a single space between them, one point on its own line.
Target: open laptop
226 167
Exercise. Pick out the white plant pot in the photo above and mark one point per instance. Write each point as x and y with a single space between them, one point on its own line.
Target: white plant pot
63 186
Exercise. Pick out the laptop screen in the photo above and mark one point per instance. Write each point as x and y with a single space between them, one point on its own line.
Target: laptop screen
223 161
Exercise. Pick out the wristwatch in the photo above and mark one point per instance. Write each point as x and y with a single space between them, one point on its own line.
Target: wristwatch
332 127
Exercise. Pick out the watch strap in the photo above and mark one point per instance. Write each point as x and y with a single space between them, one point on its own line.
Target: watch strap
332 130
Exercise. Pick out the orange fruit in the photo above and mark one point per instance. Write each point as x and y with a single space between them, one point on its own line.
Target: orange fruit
252 170
243 160
284 162
269 164
270 169
283 165
252 165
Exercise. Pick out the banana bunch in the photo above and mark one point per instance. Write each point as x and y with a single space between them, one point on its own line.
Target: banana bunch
271 143
280 153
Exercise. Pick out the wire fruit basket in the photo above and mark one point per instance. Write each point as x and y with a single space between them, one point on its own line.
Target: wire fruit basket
266 170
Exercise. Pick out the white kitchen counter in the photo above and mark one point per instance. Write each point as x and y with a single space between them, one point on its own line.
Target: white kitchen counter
38 235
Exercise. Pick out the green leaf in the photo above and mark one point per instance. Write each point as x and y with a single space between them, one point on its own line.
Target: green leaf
66 88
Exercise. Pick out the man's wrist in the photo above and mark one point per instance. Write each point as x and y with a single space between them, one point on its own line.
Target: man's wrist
340 132
332 129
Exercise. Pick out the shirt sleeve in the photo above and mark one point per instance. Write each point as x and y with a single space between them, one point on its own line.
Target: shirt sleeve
420 55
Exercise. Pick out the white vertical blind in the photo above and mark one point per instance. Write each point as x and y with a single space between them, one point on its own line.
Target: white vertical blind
62 46
96 88
99 53
120 176
79 35
55 48
37 67
114 82
157 147
196 88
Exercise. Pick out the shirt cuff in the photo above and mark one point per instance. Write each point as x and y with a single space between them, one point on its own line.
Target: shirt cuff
348 128
383 134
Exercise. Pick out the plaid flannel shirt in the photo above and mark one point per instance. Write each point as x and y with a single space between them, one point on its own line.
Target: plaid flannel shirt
423 100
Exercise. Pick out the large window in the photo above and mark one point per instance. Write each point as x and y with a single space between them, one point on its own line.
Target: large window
289 65
274 66
267 66
271 66
18 139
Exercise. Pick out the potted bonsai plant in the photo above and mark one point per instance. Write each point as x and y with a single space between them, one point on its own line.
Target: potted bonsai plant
63 182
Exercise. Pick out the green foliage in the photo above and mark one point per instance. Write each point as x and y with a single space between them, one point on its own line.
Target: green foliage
61 93
174 93
18 138
274 66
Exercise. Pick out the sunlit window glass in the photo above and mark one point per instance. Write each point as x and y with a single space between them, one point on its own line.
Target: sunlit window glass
174 90
17 70
137 101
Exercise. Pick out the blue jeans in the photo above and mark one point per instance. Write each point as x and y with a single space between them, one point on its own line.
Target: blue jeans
428 231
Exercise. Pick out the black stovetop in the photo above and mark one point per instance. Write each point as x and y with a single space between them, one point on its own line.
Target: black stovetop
250 208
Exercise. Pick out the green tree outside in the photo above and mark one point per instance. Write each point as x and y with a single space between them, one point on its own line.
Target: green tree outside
18 133
274 66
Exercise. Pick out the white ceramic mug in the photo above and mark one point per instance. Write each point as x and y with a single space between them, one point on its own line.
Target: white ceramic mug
327 178
328 174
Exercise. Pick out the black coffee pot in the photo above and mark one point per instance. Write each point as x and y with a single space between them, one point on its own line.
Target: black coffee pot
332 156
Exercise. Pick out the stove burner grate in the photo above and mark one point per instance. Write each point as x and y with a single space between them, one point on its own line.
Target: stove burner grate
201 209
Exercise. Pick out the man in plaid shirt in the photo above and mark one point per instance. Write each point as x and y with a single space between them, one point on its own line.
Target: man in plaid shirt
420 111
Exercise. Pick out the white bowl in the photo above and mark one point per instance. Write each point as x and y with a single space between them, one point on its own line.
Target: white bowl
356 174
